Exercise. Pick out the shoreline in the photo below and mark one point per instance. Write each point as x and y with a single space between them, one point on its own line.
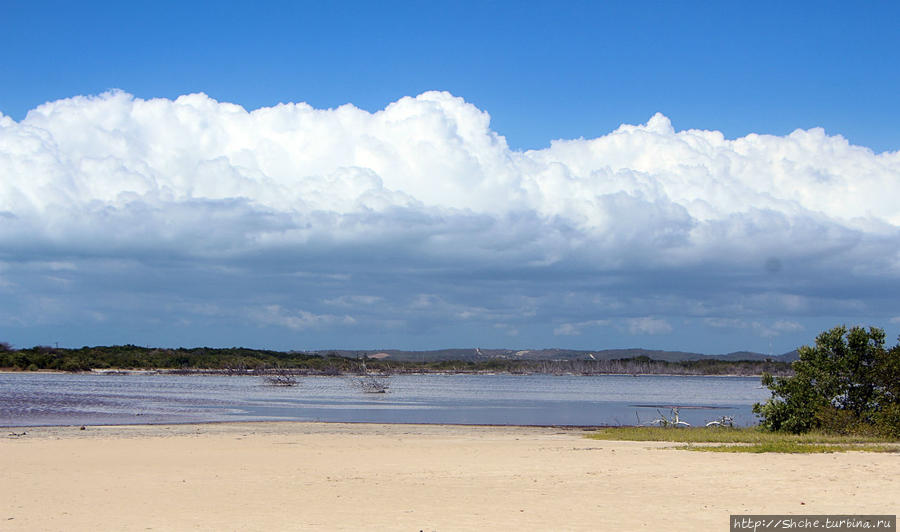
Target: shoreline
341 476
287 421
112 372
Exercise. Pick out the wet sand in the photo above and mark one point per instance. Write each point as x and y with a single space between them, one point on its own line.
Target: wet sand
324 476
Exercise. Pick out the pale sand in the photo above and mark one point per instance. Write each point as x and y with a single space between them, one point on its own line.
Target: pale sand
312 476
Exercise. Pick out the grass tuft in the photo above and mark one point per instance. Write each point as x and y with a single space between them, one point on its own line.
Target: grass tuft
748 440
793 447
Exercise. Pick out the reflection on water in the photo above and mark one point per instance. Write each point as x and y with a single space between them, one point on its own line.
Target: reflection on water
28 399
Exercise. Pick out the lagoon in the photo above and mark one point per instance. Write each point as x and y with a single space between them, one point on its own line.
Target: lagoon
34 399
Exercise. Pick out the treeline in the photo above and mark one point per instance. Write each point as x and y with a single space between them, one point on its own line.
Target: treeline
137 357
642 365
242 360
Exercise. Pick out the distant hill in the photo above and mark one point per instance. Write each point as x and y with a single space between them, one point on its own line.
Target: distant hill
479 354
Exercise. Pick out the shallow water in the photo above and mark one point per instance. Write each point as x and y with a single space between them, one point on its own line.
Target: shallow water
29 399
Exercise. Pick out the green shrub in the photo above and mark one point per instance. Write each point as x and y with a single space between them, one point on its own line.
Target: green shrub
847 383
72 364
887 420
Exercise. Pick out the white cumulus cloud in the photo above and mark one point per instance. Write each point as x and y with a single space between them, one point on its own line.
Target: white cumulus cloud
575 329
296 319
371 210
115 172
648 325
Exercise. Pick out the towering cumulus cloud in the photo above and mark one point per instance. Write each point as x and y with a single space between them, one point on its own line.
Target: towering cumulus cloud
425 184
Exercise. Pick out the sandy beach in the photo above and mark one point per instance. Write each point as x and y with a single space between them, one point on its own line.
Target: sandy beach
317 476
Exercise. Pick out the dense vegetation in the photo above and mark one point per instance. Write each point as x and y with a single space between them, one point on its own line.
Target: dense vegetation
847 383
239 360
136 357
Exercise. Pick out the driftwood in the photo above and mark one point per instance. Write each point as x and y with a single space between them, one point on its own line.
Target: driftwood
724 421
372 382
664 421
280 377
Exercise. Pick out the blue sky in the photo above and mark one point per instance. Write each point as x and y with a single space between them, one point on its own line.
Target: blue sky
543 70
136 216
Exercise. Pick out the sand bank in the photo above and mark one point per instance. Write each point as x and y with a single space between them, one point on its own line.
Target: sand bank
313 476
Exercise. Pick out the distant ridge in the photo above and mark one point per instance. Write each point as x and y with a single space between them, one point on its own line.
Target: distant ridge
476 354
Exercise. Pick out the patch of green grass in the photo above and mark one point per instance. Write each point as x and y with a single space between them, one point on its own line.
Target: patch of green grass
751 435
792 447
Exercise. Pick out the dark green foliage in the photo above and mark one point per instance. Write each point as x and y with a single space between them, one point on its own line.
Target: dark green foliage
887 420
135 357
241 360
887 383
847 383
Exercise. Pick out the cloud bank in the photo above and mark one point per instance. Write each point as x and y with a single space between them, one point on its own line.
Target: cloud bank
422 211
